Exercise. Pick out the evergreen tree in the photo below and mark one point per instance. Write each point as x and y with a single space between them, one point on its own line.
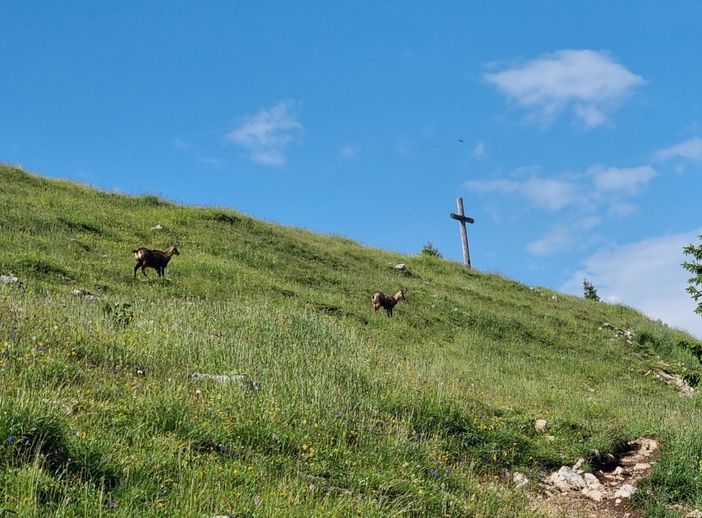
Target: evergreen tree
694 267
428 249
590 291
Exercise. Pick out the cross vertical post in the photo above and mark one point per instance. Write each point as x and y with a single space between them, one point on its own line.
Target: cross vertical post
462 220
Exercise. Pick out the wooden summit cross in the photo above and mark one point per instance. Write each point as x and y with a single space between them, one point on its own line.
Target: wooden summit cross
462 220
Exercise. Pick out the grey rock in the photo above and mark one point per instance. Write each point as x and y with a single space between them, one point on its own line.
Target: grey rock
626 491
592 481
593 494
566 480
647 446
540 425
677 381
8 279
84 294
520 479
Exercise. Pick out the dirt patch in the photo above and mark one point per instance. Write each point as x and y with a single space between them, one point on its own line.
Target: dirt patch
604 493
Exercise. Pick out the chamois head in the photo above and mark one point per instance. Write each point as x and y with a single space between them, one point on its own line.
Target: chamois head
172 250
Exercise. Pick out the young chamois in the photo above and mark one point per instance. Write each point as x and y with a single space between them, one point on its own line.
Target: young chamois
387 302
153 259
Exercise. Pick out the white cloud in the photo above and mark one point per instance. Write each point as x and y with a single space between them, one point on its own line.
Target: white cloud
564 235
645 275
599 188
546 193
558 238
688 150
479 151
622 208
267 134
583 200
622 180
348 152
588 82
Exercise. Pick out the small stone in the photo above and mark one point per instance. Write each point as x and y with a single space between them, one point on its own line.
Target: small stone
566 480
157 227
694 514
540 425
85 294
8 279
592 481
401 266
619 471
593 494
648 446
549 438
520 479
626 491
578 464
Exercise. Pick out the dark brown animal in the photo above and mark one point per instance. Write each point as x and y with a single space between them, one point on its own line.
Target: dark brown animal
153 259
387 302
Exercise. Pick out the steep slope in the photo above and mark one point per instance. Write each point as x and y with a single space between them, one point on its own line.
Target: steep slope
325 408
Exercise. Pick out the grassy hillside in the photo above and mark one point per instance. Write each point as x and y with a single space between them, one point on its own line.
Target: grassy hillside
336 411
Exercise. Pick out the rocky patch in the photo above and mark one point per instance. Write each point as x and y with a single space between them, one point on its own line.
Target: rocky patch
676 381
604 493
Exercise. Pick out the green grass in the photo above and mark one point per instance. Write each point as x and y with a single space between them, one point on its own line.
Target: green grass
342 412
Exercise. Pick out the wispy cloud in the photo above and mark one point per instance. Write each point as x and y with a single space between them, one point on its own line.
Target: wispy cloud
546 193
267 134
590 83
583 200
690 150
479 151
621 180
555 239
348 152
563 235
599 186
617 274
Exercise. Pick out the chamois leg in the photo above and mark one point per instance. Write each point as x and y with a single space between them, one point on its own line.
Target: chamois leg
389 312
135 269
143 270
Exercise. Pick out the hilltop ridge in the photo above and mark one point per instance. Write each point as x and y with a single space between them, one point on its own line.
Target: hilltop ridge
325 408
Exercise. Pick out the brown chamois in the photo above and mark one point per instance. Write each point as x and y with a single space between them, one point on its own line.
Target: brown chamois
153 259
381 300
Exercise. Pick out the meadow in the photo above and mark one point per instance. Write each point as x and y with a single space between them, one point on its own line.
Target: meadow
330 409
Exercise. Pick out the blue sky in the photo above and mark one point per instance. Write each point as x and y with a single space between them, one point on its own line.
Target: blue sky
573 130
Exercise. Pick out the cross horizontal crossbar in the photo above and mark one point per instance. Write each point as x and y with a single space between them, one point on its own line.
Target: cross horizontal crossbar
462 218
